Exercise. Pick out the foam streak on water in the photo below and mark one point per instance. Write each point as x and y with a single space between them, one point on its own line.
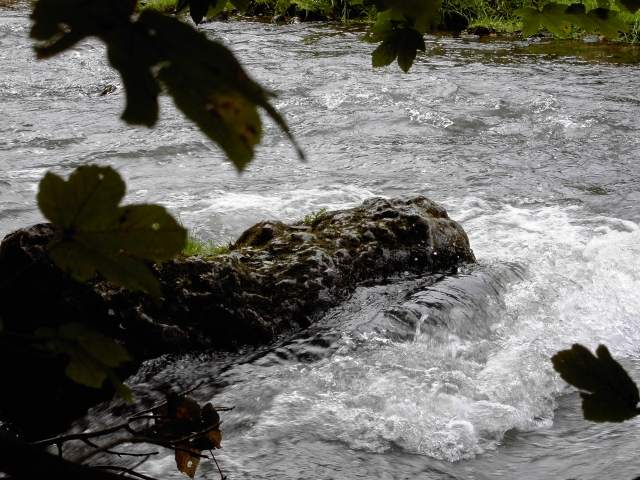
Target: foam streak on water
423 377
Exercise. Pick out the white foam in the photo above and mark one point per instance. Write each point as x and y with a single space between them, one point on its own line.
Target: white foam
451 394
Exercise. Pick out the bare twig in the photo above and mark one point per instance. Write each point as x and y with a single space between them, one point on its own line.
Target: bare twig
171 445
79 436
222 477
194 435
124 471
167 432
162 404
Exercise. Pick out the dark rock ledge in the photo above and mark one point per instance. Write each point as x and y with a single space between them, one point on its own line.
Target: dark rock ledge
276 278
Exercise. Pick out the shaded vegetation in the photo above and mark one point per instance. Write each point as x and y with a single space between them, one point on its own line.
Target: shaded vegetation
616 20
196 247
164 6
607 391
314 217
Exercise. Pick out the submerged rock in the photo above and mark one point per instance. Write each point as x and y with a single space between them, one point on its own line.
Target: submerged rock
276 278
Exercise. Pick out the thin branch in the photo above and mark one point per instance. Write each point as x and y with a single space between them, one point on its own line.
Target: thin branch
168 444
119 454
195 435
139 463
79 436
124 471
222 477
162 404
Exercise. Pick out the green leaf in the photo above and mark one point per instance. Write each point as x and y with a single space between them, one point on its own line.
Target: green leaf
607 22
531 20
181 5
608 393
555 20
61 24
552 18
240 4
631 5
131 53
198 9
385 54
92 356
211 88
576 9
402 44
86 198
98 235
409 43
104 349
153 50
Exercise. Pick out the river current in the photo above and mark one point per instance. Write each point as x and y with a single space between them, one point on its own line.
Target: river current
535 153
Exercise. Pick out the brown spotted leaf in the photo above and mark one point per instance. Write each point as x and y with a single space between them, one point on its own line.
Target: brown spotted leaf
211 88
187 459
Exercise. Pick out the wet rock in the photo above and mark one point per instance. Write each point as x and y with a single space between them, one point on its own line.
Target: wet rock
277 278
239 297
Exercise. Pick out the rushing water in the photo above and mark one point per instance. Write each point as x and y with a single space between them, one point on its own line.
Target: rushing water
535 154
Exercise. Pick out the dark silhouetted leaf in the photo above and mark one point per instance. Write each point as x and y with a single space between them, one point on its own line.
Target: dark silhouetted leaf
576 9
133 56
211 88
240 4
608 393
182 417
402 44
531 20
98 235
605 21
60 24
384 54
204 77
181 5
552 18
557 19
631 5
410 42
198 9
212 439
92 356
400 26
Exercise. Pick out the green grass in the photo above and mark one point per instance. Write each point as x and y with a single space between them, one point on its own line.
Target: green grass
314 217
196 247
496 15
164 6
497 24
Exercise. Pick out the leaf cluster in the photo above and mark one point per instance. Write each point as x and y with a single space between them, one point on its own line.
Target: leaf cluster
559 18
196 428
92 356
153 53
198 9
179 424
400 26
607 391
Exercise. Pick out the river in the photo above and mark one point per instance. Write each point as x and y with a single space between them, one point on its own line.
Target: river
534 152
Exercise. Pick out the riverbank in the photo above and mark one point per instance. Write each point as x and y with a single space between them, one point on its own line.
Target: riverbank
471 17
